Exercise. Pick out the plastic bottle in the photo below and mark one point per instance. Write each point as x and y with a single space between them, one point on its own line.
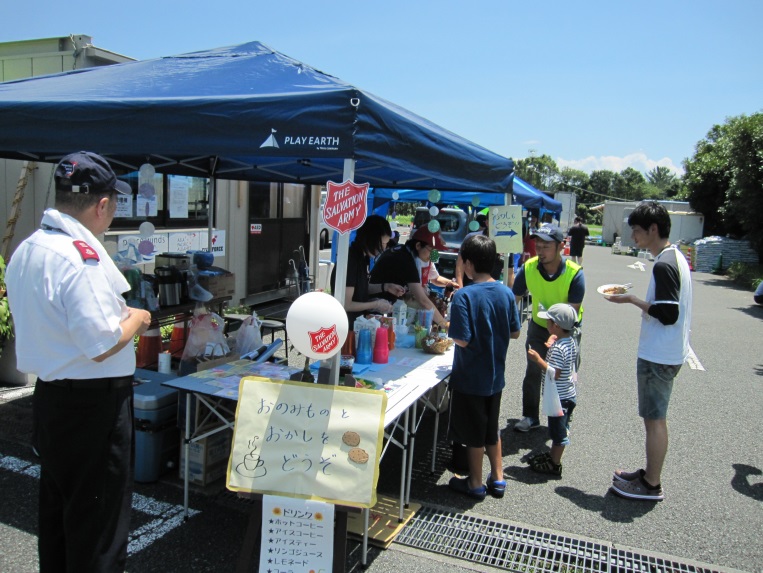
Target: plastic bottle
400 312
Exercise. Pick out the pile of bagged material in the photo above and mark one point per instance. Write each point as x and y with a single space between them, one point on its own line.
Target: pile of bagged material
717 253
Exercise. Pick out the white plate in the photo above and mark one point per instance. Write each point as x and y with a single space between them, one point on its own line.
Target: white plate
602 288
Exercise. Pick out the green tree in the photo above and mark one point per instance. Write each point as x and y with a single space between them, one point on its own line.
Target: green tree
744 198
577 182
661 177
540 172
604 184
724 178
630 185
677 190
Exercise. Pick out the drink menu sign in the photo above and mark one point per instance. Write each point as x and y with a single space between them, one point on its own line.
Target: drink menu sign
346 205
297 535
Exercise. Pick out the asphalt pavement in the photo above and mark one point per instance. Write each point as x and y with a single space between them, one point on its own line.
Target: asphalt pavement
712 513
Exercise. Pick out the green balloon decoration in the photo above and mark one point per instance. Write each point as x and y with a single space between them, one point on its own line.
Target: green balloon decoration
474 226
434 196
476 201
433 226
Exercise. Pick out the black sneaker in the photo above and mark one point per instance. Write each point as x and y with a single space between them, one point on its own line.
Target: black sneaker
543 464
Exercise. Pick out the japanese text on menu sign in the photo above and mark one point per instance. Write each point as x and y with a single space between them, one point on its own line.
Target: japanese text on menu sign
307 441
506 228
297 535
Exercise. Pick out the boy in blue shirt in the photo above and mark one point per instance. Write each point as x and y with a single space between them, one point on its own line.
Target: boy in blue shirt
484 318
561 356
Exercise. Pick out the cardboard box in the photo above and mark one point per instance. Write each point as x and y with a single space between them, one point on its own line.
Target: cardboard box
219 285
208 459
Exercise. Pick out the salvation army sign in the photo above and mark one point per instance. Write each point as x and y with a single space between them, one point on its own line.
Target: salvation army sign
345 208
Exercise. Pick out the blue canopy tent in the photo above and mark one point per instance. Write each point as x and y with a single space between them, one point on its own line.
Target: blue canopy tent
244 112
531 198
522 194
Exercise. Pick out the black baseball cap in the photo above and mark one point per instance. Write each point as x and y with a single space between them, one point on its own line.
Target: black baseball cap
86 172
549 233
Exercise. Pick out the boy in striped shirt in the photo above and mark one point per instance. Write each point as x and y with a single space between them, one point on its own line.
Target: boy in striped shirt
561 356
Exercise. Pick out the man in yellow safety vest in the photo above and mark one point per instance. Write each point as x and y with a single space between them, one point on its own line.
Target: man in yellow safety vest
550 278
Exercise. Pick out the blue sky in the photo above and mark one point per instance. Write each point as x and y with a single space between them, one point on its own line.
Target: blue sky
593 84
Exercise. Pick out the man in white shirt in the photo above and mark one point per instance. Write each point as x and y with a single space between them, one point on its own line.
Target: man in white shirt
75 333
663 344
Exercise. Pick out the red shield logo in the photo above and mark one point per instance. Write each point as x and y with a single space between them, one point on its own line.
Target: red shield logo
324 340
346 205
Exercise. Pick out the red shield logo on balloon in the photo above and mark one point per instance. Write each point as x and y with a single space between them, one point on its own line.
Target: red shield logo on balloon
346 205
324 340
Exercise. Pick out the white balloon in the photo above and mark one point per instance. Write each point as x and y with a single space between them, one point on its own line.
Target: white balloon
433 210
395 195
146 171
146 229
317 325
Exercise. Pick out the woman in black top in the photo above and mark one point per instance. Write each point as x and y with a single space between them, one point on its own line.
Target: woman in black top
370 240
396 271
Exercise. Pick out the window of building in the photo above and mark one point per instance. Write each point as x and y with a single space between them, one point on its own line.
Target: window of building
165 200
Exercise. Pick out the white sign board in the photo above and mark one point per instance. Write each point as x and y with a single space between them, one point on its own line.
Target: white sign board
505 226
297 535
307 441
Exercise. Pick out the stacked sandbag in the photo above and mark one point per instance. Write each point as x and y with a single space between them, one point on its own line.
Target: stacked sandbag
713 254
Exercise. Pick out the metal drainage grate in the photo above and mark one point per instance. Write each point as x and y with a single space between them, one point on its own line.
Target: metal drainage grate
517 548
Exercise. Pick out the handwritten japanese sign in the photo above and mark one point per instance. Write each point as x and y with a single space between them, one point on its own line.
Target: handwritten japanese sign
307 441
297 535
506 228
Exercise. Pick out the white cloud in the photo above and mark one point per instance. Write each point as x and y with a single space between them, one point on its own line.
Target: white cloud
638 161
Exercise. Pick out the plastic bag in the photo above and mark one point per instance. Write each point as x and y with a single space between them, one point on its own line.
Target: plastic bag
248 336
206 339
552 405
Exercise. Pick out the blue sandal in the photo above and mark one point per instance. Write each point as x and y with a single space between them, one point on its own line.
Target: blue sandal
461 485
496 488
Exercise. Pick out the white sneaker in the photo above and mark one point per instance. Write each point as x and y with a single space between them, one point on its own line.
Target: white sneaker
526 424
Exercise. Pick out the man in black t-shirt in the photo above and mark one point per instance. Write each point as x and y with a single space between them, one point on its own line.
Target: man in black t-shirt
577 234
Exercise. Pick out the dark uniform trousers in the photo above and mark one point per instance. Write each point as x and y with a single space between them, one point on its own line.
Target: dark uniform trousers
84 433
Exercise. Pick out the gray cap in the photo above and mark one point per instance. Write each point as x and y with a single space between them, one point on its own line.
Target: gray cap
562 314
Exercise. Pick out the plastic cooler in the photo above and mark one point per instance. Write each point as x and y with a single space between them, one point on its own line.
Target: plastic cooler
156 433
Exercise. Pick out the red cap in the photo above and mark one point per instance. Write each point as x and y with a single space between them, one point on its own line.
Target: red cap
424 235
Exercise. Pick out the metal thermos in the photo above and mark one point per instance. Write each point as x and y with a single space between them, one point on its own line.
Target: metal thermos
170 285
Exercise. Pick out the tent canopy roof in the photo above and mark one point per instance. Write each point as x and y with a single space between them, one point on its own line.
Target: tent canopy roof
522 193
240 112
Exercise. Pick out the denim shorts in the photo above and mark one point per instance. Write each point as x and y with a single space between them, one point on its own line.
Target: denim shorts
655 384
559 426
